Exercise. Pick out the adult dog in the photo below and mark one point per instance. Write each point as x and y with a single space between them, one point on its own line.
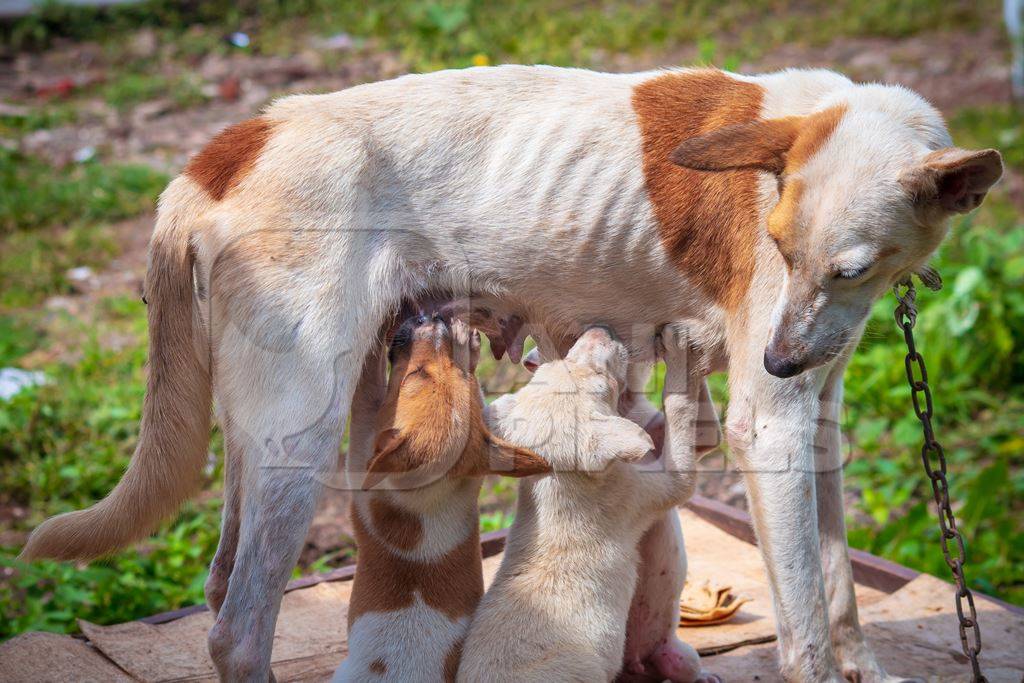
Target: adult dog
765 212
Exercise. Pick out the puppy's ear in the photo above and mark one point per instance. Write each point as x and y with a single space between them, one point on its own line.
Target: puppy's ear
389 457
465 346
616 438
952 180
510 460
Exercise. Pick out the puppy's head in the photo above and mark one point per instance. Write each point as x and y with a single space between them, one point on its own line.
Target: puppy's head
568 411
431 424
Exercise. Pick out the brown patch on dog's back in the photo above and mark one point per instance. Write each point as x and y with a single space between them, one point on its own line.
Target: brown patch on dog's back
708 221
378 666
400 528
229 156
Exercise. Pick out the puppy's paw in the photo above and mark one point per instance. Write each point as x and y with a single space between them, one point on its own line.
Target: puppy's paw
674 346
465 346
676 661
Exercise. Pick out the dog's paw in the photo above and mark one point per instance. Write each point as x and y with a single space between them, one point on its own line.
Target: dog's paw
856 676
863 667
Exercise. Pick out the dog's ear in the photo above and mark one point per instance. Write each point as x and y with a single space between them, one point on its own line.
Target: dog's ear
758 145
616 438
389 457
952 180
763 144
509 460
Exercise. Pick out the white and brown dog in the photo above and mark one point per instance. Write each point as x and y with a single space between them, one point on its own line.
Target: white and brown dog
765 212
418 574
558 607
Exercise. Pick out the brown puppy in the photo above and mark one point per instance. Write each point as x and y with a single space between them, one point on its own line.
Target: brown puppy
418 575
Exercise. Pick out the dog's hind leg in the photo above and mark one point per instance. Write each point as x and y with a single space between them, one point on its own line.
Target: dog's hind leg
285 394
224 559
284 468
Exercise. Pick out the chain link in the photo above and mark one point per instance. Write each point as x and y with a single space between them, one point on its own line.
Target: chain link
934 460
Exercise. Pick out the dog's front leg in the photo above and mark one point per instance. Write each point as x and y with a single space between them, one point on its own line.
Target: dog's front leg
771 428
857 661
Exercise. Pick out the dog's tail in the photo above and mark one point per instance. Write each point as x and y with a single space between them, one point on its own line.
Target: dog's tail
167 466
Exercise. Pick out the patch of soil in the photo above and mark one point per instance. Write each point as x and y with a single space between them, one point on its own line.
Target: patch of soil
949 68
161 132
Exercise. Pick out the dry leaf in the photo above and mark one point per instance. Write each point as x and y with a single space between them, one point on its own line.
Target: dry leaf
704 604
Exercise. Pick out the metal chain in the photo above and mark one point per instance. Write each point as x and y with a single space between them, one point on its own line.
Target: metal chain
934 460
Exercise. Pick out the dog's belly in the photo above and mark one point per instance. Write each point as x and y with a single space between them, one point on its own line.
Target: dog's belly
563 278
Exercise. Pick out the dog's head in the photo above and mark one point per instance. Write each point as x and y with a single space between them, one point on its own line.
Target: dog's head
866 184
431 424
568 411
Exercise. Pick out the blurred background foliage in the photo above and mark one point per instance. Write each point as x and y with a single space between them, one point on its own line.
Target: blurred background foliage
64 443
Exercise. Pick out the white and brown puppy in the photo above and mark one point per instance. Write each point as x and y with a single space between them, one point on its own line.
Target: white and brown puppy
768 212
558 606
418 574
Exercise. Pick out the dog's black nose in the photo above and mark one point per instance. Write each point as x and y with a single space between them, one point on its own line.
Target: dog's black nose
781 367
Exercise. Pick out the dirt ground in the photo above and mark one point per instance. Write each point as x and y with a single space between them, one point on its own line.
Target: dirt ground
948 68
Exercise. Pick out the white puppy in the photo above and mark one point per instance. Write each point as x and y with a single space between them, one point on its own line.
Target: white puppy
557 609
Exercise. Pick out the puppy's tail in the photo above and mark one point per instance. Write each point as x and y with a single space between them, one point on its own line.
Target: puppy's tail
167 466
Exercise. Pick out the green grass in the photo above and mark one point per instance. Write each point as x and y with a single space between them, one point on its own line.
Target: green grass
35 195
432 35
998 127
38 118
132 88
55 219
62 446
34 265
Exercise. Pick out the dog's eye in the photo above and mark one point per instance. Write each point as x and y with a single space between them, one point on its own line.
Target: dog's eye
851 273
